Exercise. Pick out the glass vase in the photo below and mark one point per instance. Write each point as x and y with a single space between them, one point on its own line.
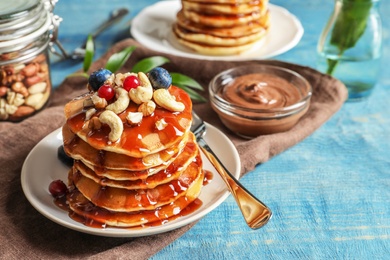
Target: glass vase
349 47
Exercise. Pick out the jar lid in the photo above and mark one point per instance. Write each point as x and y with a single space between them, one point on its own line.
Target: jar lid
22 21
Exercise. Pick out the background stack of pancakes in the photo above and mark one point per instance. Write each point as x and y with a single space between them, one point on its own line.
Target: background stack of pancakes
148 176
221 27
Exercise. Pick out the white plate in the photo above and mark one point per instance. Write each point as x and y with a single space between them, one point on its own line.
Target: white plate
152 28
42 166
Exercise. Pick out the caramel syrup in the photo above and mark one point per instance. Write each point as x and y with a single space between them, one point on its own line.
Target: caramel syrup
154 217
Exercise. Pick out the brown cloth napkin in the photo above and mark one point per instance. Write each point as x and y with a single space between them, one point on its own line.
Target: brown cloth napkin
26 233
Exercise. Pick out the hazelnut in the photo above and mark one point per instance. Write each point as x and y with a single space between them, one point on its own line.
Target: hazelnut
3 91
31 69
32 80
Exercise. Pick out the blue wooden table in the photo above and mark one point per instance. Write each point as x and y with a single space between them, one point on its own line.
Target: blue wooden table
330 194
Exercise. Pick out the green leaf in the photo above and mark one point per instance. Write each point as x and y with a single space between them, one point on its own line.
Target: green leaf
350 25
89 53
192 93
148 64
117 60
183 80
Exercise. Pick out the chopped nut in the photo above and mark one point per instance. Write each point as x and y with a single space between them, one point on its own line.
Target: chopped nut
147 108
89 113
134 118
94 123
161 124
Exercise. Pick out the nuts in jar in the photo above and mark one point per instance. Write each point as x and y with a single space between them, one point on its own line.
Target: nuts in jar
24 88
25 84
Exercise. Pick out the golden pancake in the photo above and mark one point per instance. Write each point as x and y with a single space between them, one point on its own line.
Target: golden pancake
143 139
217 41
236 31
225 1
222 20
228 9
103 160
123 200
168 174
135 159
91 213
217 50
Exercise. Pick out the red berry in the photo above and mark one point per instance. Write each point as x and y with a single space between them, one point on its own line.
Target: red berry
131 82
58 188
106 92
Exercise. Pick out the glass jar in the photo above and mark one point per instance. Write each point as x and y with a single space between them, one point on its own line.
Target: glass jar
350 46
25 33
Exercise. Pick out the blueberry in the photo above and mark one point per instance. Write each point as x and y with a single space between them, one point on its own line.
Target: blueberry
160 78
64 157
97 78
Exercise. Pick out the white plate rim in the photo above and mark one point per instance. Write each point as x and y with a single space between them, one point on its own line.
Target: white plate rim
280 17
43 202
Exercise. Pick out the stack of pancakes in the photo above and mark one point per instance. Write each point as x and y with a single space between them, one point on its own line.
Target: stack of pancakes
147 176
221 27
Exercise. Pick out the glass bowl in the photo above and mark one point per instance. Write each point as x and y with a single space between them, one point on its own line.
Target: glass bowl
259 99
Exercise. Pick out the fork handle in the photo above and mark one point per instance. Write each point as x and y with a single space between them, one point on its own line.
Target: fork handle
255 212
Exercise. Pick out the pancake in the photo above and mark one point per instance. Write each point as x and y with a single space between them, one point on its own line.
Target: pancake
102 160
224 1
93 214
229 9
170 172
218 50
145 139
221 27
236 31
135 160
124 200
222 20
211 40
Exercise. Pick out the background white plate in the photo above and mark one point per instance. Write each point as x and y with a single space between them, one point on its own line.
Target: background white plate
152 27
42 166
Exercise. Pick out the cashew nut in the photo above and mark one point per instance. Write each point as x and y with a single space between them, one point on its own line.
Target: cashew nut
98 101
164 99
114 122
121 103
142 93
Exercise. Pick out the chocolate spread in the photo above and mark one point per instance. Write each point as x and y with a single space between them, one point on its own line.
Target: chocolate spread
261 91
